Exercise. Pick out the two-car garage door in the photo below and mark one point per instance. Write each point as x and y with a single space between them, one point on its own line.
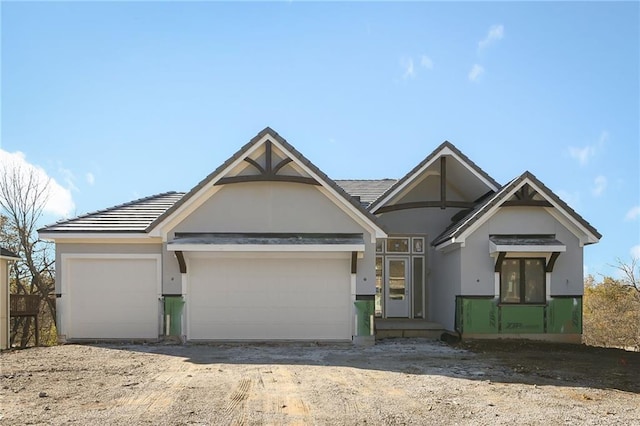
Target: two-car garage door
269 296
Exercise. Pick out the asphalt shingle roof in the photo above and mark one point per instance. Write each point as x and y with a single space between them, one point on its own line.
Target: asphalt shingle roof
483 207
134 216
367 189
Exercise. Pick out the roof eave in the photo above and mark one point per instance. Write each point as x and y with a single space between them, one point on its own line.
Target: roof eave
67 235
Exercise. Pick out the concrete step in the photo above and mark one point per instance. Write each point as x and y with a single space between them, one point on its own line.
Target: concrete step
404 327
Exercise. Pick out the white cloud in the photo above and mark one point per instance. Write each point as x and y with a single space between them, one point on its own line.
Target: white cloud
409 70
60 201
633 213
599 185
426 62
496 32
584 154
476 71
91 179
635 252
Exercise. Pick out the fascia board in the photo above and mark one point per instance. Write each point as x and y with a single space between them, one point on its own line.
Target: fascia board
486 216
200 197
266 247
557 212
584 235
353 212
496 248
407 182
93 236
410 182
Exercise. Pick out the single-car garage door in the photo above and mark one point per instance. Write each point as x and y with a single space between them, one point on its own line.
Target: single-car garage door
111 298
270 297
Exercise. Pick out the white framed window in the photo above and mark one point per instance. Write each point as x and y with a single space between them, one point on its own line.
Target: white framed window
398 245
418 245
522 281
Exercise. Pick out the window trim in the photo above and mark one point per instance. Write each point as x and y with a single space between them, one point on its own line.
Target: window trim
522 283
393 252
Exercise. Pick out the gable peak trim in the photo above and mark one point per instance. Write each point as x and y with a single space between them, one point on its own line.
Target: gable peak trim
467 225
446 148
316 177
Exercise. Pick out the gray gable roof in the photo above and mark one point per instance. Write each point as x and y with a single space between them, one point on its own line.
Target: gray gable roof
241 152
367 190
482 208
434 153
4 253
134 216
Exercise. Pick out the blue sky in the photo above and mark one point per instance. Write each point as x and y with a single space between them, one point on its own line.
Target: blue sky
115 101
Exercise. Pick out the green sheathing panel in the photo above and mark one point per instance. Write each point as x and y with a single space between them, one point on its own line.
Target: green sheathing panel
173 307
522 319
565 315
364 312
479 315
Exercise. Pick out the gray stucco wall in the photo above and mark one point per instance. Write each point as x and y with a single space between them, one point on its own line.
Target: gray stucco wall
477 265
429 189
445 279
443 270
77 248
171 278
273 207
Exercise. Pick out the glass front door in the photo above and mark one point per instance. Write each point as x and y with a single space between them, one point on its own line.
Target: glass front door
397 300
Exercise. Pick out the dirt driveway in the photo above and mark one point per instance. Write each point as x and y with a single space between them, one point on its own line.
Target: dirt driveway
393 382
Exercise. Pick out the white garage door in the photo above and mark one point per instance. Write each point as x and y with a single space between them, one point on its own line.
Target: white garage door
269 298
112 298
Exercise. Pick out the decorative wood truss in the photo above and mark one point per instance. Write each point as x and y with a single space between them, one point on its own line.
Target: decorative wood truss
525 196
548 267
268 173
443 203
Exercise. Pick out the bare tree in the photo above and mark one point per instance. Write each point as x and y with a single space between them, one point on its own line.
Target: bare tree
23 196
630 273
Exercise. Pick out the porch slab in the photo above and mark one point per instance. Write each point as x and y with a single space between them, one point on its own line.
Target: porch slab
405 327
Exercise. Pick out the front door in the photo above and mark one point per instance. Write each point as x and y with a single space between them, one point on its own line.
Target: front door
397 300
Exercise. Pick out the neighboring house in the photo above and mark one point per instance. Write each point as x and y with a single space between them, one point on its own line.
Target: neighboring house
5 257
268 247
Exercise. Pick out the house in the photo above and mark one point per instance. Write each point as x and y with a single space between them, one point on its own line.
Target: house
5 257
267 247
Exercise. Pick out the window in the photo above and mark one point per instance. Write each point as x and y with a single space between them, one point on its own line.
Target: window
379 284
522 281
398 245
418 244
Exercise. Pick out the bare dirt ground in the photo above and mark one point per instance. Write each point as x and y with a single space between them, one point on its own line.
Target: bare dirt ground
409 381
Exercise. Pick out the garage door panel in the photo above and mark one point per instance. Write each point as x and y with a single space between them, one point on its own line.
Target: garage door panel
112 298
269 298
